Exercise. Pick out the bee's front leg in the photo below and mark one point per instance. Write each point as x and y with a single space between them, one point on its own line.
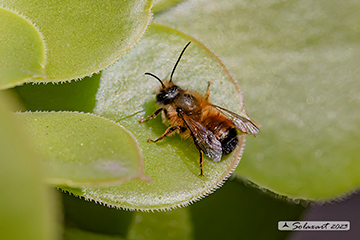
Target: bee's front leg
154 115
166 133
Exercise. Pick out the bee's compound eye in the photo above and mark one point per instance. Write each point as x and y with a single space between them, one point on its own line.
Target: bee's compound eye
161 98
167 96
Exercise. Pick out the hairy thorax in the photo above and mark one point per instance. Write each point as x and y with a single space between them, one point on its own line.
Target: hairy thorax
189 104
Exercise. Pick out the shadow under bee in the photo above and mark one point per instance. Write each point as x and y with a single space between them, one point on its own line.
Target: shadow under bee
185 148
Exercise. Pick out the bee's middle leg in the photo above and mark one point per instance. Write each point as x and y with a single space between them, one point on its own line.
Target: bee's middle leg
168 131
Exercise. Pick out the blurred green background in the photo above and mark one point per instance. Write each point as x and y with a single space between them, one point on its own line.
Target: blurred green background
297 64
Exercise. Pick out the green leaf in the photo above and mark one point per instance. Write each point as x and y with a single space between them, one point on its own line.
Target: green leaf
83 37
162 5
90 216
126 96
169 225
83 149
26 204
22 51
298 68
237 211
77 234
68 96
173 225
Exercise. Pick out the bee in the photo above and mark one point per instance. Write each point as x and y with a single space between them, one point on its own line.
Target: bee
213 129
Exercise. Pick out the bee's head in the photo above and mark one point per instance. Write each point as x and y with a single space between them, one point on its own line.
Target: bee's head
168 93
169 90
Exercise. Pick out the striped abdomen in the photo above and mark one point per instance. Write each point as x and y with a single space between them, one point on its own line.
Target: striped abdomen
224 130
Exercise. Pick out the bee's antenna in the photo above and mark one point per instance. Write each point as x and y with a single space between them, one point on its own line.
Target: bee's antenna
177 62
162 84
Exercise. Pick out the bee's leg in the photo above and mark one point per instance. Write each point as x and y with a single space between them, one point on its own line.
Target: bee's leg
201 163
207 94
152 116
166 133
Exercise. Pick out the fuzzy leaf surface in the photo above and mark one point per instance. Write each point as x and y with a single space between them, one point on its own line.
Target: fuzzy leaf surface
82 149
83 37
163 5
126 96
22 50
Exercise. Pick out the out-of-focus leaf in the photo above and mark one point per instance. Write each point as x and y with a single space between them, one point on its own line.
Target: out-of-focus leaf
77 234
26 209
83 37
68 96
91 216
22 50
239 212
82 149
297 64
162 5
175 225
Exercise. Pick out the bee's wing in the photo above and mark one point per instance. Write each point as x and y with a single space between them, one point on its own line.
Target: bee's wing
204 139
244 124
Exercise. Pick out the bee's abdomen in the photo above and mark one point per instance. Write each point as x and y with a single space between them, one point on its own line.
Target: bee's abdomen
228 140
224 131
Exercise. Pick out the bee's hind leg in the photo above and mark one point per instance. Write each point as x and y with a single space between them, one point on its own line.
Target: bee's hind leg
201 163
207 94
154 115
166 133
